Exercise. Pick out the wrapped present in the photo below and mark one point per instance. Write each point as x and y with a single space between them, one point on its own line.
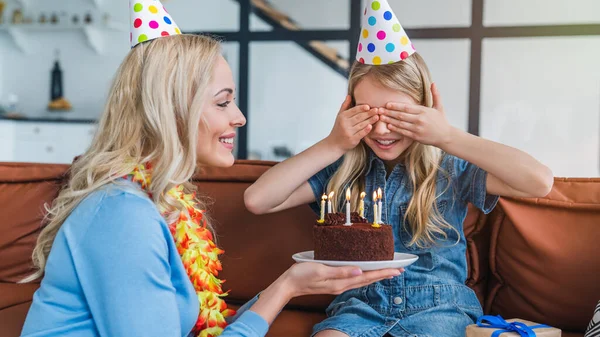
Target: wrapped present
496 326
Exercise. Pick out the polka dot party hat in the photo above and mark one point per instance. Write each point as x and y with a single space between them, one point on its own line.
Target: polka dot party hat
382 38
150 20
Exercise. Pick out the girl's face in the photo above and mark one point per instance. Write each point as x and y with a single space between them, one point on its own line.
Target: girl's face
386 144
220 119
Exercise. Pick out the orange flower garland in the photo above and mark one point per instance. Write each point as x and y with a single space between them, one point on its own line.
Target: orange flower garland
199 254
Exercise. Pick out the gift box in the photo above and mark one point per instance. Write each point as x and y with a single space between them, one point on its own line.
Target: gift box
496 326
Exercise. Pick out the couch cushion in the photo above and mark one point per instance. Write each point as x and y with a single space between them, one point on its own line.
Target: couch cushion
543 256
293 323
477 234
25 189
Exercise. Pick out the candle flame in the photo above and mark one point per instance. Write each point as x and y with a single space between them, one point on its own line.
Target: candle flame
348 194
374 195
324 197
379 193
362 195
331 194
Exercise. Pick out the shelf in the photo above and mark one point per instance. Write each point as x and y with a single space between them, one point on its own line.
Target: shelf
27 3
21 33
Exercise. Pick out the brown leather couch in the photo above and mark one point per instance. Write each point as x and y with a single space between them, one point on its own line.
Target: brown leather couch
536 259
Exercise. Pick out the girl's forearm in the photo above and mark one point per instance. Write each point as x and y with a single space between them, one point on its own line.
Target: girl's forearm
277 184
513 167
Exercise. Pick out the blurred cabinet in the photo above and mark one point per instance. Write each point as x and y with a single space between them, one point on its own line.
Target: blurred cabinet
44 142
7 141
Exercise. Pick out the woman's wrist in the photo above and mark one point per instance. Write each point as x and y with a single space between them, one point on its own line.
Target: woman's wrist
274 298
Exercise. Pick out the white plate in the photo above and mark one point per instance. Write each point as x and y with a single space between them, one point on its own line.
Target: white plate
400 260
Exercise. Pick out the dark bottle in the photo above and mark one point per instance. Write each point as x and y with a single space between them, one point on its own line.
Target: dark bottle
56 84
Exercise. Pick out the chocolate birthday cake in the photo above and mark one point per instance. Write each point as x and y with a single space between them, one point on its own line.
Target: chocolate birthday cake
362 241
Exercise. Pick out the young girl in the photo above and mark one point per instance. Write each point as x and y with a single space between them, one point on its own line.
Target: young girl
128 249
391 133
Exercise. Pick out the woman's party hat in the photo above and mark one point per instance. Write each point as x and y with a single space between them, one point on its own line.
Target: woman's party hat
382 38
150 20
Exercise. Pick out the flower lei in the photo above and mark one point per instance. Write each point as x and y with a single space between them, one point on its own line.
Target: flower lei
199 254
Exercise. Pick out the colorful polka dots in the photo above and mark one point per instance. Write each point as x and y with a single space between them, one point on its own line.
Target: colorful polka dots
149 21
382 39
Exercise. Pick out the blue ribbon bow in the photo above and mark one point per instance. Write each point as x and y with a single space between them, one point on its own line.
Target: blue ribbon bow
497 322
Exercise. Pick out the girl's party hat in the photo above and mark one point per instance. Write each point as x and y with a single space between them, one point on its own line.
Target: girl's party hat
382 38
150 20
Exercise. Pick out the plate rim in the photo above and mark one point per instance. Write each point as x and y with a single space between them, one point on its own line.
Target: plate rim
297 255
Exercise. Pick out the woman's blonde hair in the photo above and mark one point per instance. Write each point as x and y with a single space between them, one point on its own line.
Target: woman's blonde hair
412 78
152 115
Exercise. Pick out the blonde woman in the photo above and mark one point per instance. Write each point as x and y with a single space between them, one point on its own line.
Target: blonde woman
128 250
391 133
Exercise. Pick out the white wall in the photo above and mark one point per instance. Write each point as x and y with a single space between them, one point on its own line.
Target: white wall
540 12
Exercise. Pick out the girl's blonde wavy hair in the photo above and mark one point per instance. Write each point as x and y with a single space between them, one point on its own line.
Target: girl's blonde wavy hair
152 115
412 78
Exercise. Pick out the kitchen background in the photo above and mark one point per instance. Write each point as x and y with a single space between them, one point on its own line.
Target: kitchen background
536 88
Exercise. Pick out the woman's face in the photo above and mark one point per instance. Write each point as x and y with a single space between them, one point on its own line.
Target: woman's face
386 144
220 119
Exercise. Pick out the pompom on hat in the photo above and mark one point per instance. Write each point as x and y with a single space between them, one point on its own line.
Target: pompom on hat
149 21
382 38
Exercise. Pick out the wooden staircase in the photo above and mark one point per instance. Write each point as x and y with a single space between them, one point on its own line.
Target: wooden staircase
319 49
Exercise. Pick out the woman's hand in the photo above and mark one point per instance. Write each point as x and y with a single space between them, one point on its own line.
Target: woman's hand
310 278
352 125
317 279
425 125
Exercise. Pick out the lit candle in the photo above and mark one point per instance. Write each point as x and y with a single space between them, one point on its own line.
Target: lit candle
348 223
379 206
329 201
323 199
375 212
361 205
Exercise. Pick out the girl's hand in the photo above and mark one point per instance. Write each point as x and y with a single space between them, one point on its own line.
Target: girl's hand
352 125
317 279
425 125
